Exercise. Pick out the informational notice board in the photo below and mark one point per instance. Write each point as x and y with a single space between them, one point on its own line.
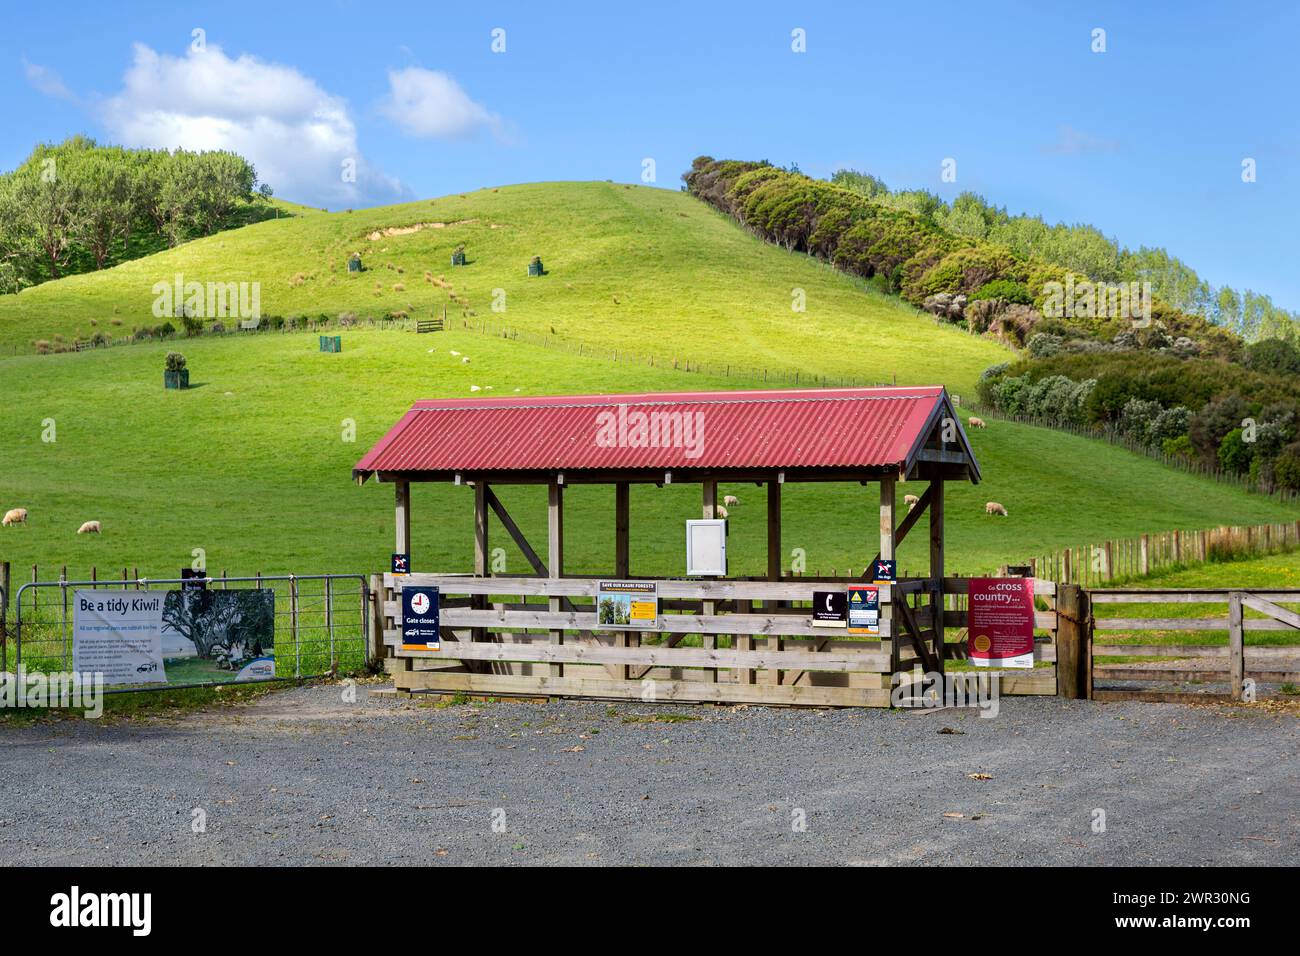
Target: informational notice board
1001 622
421 619
119 634
830 609
185 636
627 605
864 611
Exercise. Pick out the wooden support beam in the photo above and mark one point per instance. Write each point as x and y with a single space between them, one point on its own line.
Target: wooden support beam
935 506
555 553
622 525
402 495
481 569
623 562
516 535
709 510
774 563
481 493
922 507
886 553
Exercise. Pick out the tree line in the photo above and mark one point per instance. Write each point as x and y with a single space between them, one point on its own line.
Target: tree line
78 206
1087 251
912 253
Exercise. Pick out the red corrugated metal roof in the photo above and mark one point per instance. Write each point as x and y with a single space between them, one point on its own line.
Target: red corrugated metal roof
814 428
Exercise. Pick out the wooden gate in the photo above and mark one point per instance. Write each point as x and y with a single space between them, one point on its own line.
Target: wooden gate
1217 653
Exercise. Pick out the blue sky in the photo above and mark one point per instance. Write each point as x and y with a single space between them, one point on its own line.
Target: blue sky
1145 140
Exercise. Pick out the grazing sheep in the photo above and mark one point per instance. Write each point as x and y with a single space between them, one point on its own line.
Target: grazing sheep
90 527
465 359
455 354
474 388
15 516
993 508
722 512
974 422
730 500
911 501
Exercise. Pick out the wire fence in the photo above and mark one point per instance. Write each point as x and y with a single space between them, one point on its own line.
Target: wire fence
319 626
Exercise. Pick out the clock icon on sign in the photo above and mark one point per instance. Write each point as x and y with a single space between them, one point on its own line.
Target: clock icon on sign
420 603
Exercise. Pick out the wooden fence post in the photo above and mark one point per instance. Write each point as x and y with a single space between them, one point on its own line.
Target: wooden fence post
4 615
1073 643
377 651
1236 645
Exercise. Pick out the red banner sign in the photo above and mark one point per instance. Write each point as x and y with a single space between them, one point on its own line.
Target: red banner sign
1001 622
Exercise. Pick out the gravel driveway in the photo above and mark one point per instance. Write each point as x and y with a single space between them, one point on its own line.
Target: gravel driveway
303 777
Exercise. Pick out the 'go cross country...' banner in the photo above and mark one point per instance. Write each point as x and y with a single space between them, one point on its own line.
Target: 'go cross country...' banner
1001 621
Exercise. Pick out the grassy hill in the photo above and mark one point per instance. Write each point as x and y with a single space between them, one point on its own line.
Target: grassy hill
251 466
629 268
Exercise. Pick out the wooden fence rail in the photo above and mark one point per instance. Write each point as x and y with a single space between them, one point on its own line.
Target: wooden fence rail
1232 662
505 635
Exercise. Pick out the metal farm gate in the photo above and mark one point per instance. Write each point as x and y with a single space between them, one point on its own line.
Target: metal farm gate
321 623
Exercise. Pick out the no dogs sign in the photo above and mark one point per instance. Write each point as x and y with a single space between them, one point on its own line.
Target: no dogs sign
1001 620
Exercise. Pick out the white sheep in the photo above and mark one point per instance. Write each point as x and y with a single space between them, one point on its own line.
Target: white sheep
993 508
974 422
722 512
15 516
475 388
730 500
911 501
455 354
465 360
90 527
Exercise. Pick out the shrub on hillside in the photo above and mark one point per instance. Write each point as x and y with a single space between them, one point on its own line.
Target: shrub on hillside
1006 289
1272 355
1234 453
1286 471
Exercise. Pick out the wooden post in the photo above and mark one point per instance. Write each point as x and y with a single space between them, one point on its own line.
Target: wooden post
622 525
1236 645
377 650
886 554
623 560
709 509
1144 557
1073 643
481 568
555 555
402 491
936 568
774 561
4 615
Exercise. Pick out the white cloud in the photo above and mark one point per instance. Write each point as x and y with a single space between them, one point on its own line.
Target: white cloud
432 105
47 81
297 135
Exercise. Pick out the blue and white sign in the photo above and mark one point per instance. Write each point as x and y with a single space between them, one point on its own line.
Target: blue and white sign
420 619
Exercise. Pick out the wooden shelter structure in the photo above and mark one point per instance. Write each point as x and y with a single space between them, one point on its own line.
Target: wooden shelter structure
537 635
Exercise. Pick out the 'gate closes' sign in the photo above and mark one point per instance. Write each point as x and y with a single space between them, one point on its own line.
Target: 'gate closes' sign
1001 621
